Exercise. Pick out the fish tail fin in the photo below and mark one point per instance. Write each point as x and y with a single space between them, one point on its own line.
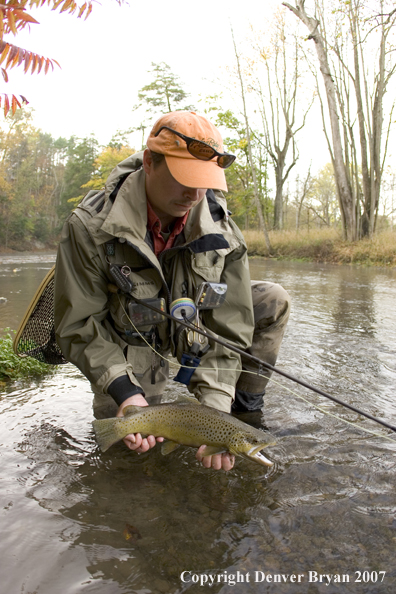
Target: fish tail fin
106 432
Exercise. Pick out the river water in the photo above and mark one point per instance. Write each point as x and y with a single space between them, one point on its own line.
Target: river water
75 520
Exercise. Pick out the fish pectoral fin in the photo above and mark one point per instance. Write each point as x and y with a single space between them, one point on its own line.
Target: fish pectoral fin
168 447
131 410
212 450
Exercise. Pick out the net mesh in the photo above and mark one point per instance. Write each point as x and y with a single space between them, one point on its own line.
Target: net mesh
36 334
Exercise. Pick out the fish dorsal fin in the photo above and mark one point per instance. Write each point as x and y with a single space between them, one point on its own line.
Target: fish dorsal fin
181 399
169 446
131 410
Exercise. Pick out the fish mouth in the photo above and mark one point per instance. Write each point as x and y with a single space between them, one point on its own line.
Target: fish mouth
256 455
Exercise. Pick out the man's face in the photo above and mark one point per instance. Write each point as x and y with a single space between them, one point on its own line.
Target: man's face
169 199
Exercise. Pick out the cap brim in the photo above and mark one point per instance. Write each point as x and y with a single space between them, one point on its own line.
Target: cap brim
195 173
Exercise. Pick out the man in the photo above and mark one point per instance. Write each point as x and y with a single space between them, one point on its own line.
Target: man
163 228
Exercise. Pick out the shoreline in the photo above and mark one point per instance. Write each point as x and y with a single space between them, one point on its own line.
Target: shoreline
324 246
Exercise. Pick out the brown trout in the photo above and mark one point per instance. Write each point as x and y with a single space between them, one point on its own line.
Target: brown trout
189 424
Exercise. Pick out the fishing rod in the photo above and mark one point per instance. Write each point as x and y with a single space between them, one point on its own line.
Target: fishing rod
260 362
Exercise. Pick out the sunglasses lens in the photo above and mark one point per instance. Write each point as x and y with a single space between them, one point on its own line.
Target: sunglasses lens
199 150
225 161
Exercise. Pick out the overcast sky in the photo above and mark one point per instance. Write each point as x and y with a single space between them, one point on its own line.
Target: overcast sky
105 60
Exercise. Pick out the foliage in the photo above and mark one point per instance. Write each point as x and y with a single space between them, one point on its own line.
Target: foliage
38 177
105 163
31 171
79 168
162 95
13 18
239 177
13 367
322 196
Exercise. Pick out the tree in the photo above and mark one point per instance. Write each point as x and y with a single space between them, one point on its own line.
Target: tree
105 163
370 103
389 195
323 196
358 48
343 183
239 177
302 191
283 89
78 171
163 94
259 209
31 171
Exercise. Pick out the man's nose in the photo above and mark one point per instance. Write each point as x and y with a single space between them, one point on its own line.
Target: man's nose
193 194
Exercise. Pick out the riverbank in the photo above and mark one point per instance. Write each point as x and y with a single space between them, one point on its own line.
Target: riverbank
29 247
325 246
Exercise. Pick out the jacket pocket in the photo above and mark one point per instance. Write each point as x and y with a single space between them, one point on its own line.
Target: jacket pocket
208 265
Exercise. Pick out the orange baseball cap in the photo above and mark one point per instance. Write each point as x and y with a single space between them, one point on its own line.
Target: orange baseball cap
184 167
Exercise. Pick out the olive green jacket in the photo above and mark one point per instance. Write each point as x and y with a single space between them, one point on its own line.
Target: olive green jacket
91 321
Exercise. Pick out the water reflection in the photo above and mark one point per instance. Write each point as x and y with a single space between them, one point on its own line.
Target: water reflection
343 329
353 308
20 277
75 520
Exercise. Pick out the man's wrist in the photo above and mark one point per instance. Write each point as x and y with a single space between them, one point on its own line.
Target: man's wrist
122 388
135 400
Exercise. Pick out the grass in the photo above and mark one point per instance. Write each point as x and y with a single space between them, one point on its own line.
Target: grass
325 245
13 367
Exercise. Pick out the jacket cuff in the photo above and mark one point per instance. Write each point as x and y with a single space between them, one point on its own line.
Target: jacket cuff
122 388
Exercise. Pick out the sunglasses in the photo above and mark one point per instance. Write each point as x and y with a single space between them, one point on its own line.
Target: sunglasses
202 150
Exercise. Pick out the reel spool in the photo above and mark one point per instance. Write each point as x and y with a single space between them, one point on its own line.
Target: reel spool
183 308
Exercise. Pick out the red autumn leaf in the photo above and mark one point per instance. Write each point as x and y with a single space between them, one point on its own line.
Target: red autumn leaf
11 55
40 64
14 104
4 48
24 16
6 105
34 63
66 5
11 21
28 59
82 10
88 11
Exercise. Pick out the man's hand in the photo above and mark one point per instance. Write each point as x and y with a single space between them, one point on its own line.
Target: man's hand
135 441
218 461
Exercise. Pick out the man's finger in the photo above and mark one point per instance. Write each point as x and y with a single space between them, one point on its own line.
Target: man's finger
216 461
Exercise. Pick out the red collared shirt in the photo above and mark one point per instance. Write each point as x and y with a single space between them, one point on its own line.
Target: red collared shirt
154 226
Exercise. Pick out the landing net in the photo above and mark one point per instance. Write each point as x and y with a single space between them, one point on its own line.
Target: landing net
35 336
